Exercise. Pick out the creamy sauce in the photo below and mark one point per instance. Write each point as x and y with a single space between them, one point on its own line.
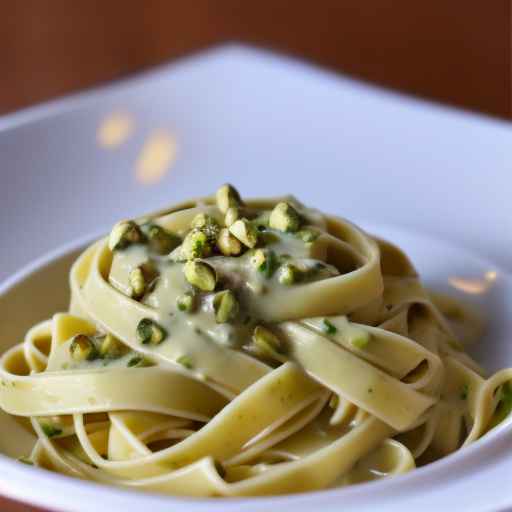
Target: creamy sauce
189 331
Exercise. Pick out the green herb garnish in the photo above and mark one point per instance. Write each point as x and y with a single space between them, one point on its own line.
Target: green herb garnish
269 265
328 327
50 430
185 361
504 408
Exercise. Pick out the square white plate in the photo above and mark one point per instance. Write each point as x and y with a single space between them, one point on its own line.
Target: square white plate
270 125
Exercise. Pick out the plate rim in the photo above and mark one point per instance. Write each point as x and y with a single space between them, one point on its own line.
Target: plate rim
70 102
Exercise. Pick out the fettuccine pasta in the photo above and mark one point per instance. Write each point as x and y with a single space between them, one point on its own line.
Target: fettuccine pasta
241 348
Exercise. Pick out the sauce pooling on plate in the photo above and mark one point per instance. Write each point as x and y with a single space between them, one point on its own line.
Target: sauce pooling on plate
237 348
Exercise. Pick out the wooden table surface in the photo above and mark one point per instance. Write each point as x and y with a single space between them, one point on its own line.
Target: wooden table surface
456 52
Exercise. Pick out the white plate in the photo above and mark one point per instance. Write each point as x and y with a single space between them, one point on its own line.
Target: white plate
269 124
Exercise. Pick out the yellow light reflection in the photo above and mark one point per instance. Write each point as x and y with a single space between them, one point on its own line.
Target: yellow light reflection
115 129
156 157
474 286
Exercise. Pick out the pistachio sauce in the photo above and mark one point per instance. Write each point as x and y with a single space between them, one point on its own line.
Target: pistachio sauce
208 289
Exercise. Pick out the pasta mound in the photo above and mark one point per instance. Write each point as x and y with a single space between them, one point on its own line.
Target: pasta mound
231 348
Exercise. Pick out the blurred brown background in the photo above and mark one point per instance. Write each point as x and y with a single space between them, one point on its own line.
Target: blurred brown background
455 51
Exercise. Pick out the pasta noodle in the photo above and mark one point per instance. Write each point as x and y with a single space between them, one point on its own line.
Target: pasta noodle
231 348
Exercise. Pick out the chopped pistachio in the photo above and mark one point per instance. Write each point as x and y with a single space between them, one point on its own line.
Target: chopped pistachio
202 220
149 332
137 282
26 460
227 196
307 235
201 275
245 232
266 342
232 215
284 217
142 279
185 361
289 274
328 327
359 338
228 245
134 361
207 224
226 306
186 302
138 362
82 348
50 430
212 232
334 401
464 392
160 240
123 234
195 245
110 347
